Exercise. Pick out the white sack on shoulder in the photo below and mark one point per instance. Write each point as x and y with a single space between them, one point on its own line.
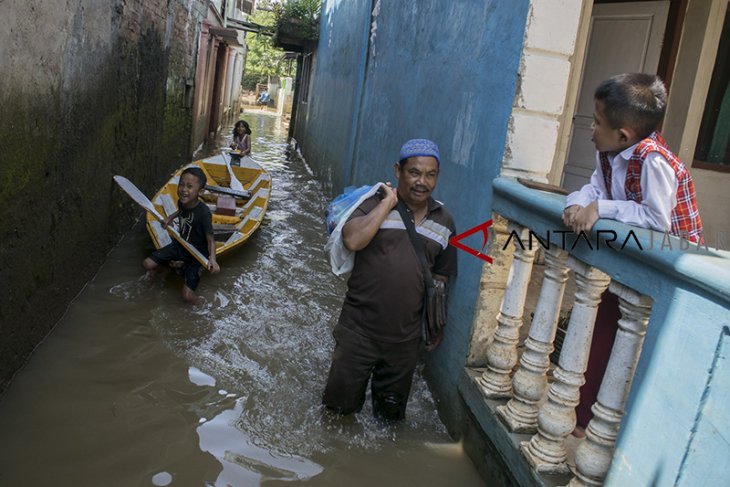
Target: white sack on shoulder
341 259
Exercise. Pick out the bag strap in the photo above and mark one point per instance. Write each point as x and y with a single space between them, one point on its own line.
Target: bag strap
418 245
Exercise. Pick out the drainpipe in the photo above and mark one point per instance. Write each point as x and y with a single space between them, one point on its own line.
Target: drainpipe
295 96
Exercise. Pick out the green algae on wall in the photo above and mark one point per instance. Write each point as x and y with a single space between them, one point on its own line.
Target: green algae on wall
109 102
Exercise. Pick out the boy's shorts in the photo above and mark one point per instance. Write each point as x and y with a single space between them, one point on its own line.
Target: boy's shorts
191 269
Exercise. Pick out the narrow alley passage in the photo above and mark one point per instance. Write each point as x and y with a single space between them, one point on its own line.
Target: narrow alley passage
134 388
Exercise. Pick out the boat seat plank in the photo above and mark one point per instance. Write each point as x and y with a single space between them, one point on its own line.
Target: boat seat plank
262 177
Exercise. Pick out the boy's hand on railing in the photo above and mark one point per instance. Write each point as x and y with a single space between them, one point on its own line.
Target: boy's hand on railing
213 266
585 218
569 215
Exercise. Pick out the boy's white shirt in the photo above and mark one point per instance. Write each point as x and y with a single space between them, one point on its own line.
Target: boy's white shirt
658 191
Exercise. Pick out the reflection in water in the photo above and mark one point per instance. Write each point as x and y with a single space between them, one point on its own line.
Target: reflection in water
242 460
134 388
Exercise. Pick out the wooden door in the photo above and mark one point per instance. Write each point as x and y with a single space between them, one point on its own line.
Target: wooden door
623 38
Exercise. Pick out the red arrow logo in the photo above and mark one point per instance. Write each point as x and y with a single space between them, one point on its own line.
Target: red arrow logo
456 240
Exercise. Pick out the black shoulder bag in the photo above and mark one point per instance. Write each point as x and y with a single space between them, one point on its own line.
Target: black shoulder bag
434 300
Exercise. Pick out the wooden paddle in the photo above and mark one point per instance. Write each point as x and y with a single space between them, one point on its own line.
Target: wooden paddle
145 203
235 183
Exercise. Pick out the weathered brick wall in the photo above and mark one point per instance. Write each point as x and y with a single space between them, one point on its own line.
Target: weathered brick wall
90 88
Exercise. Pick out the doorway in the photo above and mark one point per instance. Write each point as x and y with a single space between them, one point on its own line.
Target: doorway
623 37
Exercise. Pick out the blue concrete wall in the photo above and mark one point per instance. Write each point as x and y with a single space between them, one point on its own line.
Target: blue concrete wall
325 124
676 426
676 429
447 73
440 70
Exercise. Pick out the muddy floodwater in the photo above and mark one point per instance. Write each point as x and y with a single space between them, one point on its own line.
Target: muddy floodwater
133 388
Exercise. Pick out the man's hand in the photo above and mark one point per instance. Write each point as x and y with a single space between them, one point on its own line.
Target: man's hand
586 218
569 215
358 232
435 343
390 195
213 266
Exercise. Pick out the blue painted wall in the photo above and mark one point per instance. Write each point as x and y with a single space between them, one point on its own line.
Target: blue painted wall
440 70
676 429
324 125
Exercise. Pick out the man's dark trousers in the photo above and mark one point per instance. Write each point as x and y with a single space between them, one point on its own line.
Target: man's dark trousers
355 359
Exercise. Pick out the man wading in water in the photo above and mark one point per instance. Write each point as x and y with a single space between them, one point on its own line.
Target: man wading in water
380 327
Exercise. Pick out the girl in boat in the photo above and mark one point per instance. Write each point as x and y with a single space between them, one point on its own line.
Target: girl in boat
241 138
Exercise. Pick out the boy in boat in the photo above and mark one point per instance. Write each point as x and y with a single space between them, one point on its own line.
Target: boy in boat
195 226
638 181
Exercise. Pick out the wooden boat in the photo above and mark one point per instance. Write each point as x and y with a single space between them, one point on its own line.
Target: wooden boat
237 214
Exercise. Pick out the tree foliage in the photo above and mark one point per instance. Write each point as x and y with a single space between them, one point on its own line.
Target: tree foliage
299 17
263 59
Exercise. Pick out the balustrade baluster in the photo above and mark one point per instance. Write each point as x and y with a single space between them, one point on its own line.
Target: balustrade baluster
496 381
556 420
491 292
530 378
593 457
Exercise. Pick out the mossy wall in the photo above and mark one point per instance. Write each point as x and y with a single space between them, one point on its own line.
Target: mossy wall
90 88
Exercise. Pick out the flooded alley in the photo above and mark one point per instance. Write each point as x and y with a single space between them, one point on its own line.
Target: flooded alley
134 388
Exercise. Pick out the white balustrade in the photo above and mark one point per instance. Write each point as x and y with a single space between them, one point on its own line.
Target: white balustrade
546 450
530 378
492 285
593 457
496 381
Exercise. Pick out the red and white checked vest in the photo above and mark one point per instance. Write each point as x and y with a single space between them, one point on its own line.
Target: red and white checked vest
686 222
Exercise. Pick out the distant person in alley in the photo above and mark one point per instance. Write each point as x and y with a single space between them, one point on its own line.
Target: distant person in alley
379 331
263 99
196 227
